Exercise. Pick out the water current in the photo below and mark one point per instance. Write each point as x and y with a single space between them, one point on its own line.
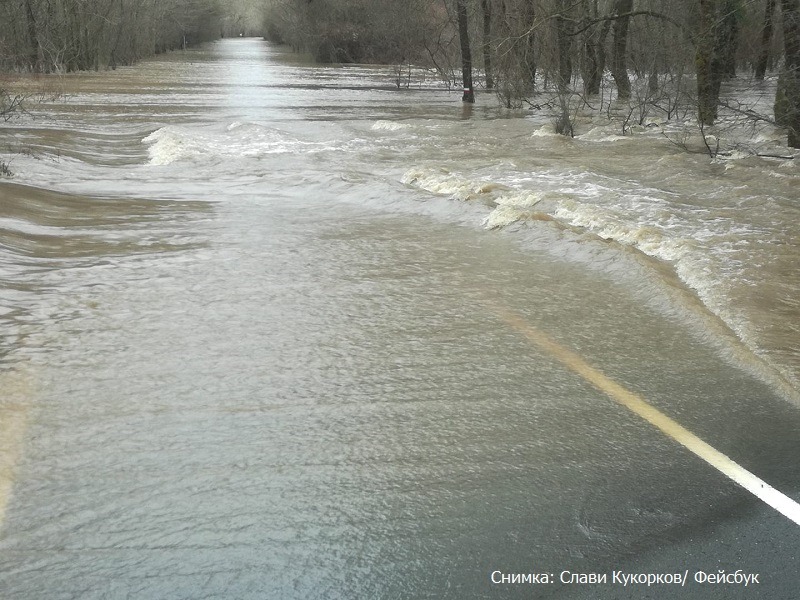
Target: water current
238 260
254 120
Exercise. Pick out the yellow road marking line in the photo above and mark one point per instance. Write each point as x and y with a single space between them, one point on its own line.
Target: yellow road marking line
725 465
15 394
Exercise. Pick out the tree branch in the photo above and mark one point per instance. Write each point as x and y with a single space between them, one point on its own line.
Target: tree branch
634 13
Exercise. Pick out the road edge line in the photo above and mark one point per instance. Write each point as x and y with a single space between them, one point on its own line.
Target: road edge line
636 404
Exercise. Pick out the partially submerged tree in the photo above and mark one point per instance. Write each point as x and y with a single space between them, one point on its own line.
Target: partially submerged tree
466 53
787 101
486 9
766 40
619 54
664 56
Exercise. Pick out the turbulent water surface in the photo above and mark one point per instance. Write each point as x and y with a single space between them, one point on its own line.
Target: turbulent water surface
244 314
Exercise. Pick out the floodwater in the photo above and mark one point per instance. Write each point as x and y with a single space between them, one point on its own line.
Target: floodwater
250 341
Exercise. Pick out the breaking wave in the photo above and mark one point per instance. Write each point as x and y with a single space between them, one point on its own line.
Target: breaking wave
705 254
389 126
237 140
444 182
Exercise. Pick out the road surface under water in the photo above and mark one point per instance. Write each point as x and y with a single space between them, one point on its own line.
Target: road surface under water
266 333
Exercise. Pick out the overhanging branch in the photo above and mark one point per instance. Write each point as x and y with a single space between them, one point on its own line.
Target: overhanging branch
634 13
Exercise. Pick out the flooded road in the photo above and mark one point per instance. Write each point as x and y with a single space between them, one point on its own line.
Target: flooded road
255 344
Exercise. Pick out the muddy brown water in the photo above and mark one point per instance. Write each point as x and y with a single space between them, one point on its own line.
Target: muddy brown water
246 318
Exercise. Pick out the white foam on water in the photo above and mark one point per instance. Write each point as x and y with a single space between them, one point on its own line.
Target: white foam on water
383 125
174 143
444 182
503 216
166 146
602 134
731 156
652 240
547 130
695 258
512 208
701 244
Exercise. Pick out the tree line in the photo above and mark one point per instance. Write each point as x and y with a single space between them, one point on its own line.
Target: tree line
659 54
71 35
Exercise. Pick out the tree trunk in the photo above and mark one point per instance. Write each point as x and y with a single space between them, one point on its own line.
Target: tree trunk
728 42
766 40
619 59
487 42
564 46
707 64
601 49
530 39
36 46
652 83
466 55
591 73
791 74
594 49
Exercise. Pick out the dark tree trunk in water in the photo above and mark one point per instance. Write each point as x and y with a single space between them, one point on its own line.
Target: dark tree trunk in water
487 42
788 112
466 55
652 83
594 49
766 40
728 41
592 75
707 63
619 59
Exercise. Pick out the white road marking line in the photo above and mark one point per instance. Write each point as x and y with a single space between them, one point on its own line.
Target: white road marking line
725 465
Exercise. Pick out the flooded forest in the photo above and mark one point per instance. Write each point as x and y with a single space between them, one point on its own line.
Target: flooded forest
656 59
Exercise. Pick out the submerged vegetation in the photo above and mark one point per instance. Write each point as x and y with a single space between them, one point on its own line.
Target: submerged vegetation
637 60
662 57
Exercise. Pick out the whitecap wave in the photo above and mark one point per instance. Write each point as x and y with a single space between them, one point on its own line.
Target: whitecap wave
389 126
689 256
512 208
166 146
546 131
172 143
602 134
654 241
443 182
503 216
698 249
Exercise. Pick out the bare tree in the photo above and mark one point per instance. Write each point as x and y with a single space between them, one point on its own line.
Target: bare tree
486 9
466 54
619 60
787 101
766 40
594 40
71 35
